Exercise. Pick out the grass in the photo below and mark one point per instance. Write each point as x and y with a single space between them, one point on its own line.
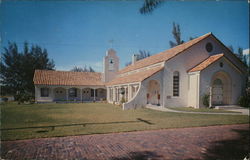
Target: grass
189 109
51 120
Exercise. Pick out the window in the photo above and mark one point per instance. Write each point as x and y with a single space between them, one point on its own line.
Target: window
221 64
111 64
44 92
209 47
176 85
72 92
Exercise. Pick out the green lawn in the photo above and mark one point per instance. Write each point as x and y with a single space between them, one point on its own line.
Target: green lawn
50 120
189 109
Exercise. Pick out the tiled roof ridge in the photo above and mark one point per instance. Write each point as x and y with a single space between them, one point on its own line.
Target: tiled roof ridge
179 47
135 77
65 71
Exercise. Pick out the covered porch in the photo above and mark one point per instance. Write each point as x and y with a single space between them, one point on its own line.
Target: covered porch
48 93
135 90
122 93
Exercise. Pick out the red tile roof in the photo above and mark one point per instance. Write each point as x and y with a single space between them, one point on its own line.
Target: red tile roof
50 77
135 77
163 56
206 62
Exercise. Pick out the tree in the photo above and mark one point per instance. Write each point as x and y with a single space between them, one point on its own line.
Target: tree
17 68
91 69
177 36
240 53
77 69
230 47
141 55
85 69
149 6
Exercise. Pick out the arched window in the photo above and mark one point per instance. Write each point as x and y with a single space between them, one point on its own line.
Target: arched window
176 84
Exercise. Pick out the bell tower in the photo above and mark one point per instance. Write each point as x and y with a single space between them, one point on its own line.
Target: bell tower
111 65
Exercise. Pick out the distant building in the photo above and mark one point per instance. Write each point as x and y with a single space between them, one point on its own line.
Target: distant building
178 77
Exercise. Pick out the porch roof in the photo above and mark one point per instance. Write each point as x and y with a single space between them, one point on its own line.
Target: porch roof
135 77
51 77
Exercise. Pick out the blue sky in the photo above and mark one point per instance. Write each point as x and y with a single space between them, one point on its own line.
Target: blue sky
77 33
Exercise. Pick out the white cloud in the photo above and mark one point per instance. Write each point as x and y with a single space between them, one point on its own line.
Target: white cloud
97 66
246 51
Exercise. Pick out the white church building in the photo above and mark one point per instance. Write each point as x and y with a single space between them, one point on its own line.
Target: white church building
178 77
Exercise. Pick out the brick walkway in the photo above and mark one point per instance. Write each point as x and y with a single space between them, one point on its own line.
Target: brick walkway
214 142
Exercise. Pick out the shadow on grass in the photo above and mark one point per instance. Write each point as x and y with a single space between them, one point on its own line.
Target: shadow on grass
234 149
52 127
146 155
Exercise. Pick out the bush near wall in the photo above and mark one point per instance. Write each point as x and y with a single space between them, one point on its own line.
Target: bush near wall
244 101
205 100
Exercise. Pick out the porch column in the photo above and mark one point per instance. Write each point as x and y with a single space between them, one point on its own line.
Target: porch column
117 94
113 98
81 94
125 94
37 93
108 94
67 94
129 92
52 93
210 97
94 94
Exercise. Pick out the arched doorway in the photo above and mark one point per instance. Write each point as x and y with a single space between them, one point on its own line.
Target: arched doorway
100 94
221 88
86 94
153 92
217 92
60 94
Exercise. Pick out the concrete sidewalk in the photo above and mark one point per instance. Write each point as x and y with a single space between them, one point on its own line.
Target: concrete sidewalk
243 111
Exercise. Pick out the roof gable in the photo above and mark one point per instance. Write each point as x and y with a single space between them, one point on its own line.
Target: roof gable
212 59
207 62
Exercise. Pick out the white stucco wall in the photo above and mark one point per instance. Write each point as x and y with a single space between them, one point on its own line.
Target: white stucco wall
182 63
237 79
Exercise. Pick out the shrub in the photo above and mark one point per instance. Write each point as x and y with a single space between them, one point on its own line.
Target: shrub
244 101
205 100
22 97
5 99
123 100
